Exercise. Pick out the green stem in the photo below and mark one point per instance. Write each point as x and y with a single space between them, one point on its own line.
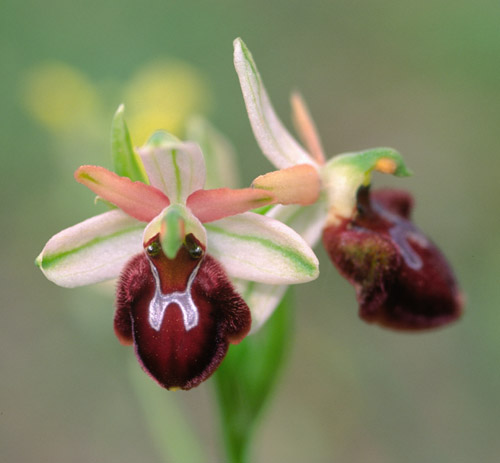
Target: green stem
237 446
237 426
246 378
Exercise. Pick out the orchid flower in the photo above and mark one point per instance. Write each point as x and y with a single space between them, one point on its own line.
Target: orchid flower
402 280
174 247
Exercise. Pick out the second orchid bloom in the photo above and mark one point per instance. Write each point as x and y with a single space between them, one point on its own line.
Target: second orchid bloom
401 278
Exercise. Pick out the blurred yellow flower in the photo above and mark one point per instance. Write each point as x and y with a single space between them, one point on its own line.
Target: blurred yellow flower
163 95
60 96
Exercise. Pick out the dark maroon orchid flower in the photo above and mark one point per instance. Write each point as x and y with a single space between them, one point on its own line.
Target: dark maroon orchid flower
174 246
402 279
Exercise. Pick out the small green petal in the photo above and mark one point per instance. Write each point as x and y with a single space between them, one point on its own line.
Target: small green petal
125 160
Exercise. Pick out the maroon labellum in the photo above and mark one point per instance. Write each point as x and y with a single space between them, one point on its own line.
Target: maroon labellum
180 314
401 278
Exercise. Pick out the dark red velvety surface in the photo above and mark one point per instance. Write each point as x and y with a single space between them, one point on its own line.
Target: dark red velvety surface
402 279
174 357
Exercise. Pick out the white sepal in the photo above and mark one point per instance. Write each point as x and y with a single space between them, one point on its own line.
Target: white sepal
176 168
307 221
273 138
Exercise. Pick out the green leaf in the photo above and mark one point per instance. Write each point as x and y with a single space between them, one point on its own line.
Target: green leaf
125 160
245 380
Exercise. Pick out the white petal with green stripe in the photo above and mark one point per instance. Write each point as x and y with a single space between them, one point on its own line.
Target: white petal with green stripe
92 251
257 248
262 298
273 138
176 168
307 221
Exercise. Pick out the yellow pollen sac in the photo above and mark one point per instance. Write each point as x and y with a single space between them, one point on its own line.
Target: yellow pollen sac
386 166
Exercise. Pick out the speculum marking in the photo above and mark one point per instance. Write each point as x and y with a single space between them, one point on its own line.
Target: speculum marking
183 299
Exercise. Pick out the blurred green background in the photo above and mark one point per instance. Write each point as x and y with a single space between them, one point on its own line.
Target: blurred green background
422 77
